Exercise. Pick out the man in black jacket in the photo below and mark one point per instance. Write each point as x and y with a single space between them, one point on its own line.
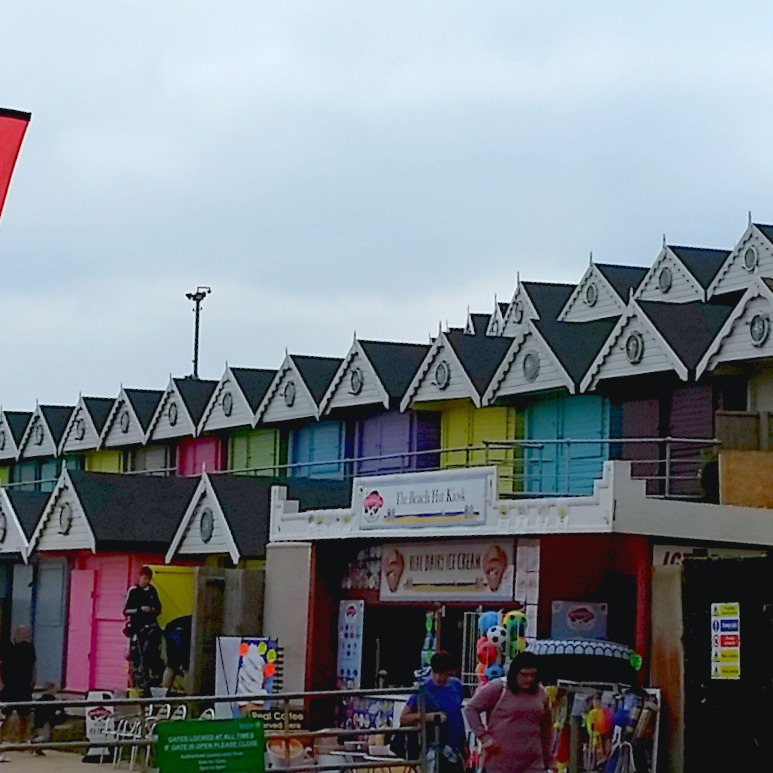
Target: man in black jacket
142 609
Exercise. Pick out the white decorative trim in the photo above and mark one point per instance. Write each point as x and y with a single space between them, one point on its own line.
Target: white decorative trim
172 393
578 294
6 506
355 352
121 402
288 366
666 254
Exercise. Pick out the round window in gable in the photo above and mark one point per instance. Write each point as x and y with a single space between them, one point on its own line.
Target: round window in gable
665 279
356 381
172 414
750 259
3 526
442 375
634 347
289 394
65 518
37 435
206 524
124 422
80 429
759 329
531 366
2 440
518 312
228 403
591 294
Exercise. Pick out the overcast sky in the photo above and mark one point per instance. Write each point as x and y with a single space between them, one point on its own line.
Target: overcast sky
331 166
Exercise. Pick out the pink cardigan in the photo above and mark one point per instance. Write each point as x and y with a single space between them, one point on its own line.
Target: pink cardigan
520 723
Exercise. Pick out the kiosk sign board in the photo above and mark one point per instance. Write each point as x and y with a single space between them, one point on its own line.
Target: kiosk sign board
726 640
216 746
471 570
424 499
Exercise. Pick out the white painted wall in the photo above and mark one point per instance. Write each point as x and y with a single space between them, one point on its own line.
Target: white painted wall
684 288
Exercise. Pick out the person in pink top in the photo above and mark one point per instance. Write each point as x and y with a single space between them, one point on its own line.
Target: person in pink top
516 734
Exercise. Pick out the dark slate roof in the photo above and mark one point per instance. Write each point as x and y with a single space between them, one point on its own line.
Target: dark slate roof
701 262
17 423
395 363
548 299
622 278
254 383
480 356
29 506
766 230
689 328
246 503
768 282
56 417
133 510
144 402
575 344
99 409
317 373
195 393
480 323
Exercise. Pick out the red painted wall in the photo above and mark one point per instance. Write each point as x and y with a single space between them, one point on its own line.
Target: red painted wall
193 454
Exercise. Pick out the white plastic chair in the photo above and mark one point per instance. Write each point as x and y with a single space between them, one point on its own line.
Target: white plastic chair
180 712
164 712
207 714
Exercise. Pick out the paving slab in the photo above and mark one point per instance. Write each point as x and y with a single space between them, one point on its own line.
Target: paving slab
57 762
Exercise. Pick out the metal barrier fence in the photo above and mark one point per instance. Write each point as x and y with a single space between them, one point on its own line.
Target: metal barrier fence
143 712
671 466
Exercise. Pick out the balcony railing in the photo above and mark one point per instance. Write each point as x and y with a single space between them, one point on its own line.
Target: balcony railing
672 467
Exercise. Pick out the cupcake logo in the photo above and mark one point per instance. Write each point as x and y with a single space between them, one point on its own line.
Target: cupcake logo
371 505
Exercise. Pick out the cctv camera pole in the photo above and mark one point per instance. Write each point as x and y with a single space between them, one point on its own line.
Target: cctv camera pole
197 297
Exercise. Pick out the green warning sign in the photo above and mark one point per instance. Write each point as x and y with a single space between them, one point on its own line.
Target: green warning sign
217 746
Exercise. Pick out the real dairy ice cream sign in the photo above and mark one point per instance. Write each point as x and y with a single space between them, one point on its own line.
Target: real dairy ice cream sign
425 499
474 570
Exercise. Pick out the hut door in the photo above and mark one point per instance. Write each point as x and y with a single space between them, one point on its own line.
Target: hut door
79 652
584 417
49 618
542 461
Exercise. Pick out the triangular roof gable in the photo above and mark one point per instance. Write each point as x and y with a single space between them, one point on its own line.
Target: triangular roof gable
86 423
669 280
477 323
236 398
17 511
128 420
63 525
44 431
374 372
619 358
734 341
194 535
355 383
441 376
496 323
288 398
751 256
519 311
594 297
510 377
180 410
13 424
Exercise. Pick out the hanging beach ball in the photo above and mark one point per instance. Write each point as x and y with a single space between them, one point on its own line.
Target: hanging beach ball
487 620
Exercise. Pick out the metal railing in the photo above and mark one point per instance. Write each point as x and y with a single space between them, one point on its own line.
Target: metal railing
143 743
671 466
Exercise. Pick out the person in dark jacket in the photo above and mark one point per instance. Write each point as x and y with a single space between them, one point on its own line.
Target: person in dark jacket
142 608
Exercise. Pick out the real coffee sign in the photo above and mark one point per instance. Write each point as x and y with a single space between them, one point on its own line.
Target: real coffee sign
425 499
480 570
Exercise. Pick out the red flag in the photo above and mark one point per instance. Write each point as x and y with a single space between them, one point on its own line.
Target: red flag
13 124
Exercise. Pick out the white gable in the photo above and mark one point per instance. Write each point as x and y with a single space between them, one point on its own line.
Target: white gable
355 383
12 538
203 529
440 377
171 419
288 398
668 281
8 449
38 440
593 298
122 427
634 347
496 324
519 312
63 525
80 433
746 334
227 408
530 366
751 257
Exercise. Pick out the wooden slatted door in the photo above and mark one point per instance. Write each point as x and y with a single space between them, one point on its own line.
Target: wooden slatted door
541 461
584 417
80 630
315 443
50 618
